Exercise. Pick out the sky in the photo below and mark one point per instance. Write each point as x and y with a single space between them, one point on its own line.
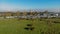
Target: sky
28 4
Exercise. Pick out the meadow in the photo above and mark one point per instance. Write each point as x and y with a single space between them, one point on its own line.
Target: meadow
41 26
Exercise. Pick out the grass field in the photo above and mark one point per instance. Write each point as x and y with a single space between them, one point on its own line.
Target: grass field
15 26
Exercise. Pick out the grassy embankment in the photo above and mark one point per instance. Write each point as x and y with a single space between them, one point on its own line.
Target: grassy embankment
15 26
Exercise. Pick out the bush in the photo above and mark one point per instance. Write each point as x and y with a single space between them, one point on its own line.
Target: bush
26 28
29 27
56 22
29 24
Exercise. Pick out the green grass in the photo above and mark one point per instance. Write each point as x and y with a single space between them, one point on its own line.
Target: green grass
15 26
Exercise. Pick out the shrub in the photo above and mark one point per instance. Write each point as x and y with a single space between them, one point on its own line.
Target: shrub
29 27
56 22
29 24
26 28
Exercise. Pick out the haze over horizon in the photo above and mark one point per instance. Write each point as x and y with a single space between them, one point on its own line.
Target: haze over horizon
29 4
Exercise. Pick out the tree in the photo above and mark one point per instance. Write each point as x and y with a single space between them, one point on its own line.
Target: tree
46 13
17 13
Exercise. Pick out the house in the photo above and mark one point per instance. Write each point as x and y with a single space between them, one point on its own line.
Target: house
28 14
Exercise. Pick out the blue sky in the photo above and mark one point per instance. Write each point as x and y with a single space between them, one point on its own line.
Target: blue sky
28 4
